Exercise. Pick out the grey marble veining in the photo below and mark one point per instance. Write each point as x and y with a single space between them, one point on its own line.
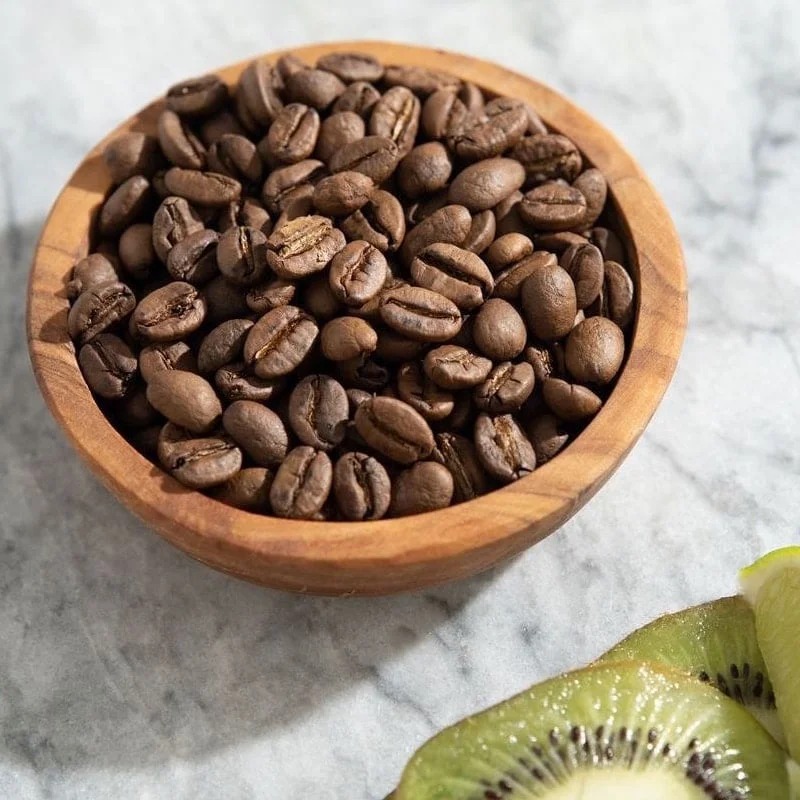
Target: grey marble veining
128 671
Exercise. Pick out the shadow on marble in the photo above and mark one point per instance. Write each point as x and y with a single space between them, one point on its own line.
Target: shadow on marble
116 648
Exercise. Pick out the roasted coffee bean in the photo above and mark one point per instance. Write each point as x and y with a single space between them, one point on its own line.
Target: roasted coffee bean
356 397
204 188
257 100
318 411
174 220
266 296
421 80
508 284
548 299
178 142
197 97
502 448
449 225
298 203
481 233
592 185
99 308
457 453
486 183
393 348
337 131
507 250
547 361
361 486
549 157
303 246
248 489
224 301
559 241
453 367
194 259
420 314
422 394
617 296
258 430
287 65
124 205
594 351
506 389
498 330
302 483
157 358
501 126
131 154
185 399
507 215
396 116
426 169
380 222
134 410
371 310
283 183
237 157
213 128
136 250
242 256
609 243
245 213
198 462
359 97
317 88
374 156
279 342
570 401
108 365
547 435
234 382
457 274
351 67
89 272
553 207
584 263
472 97
342 193
293 135
426 486
345 338
169 313
223 345
443 114
357 273
319 299
394 429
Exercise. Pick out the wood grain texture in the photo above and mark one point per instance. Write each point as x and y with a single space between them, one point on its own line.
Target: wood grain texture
387 556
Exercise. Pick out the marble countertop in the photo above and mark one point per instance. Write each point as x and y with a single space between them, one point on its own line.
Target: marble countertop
128 671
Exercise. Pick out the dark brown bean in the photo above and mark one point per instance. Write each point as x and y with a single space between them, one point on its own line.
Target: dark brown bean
196 462
457 274
501 126
257 101
245 213
185 399
481 233
548 436
302 484
342 193
508 284
319 300
242 256
194 258
178 143
345 338
124 206
421 80
424 170
351 67
282 184
426 486
457 453
569 401
380 222
203 188
507 250
506 389
258 430
553 207
395 349
443 115
584 263
317 88
197 97
420 314
223 301
266 296
157 358
98 309
498 330
502 448
453 367
108 365
293 135
422 394
248 489
549 157
174 220
507 215
548 299
318 411
547 361
359 97
279 342
559 241
374 156
89 272
303 246
288 64
394 429
297 203
486 183
361 486
136 250
617 296
234 382
169 313
448 225
223 345
237 157
131 154
396 116
592 185
337 131
213 128
357 273
594 351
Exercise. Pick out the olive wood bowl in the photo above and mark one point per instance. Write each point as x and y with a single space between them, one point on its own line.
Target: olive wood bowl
386 556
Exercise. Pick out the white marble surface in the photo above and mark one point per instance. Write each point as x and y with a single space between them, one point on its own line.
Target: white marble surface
128 671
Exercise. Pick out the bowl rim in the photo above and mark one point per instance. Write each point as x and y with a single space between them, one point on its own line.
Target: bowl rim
394 554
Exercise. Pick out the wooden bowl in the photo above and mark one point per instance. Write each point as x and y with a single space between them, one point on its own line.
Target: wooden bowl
389 555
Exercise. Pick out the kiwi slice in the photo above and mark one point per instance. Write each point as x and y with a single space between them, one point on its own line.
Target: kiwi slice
623 731
716 642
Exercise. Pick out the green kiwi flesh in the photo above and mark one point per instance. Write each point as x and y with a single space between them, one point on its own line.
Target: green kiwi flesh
716 642
619 731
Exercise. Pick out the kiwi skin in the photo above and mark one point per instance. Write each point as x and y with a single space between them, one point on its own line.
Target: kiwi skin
627 727
716 643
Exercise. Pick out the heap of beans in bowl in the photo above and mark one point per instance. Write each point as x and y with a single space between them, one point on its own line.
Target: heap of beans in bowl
348 290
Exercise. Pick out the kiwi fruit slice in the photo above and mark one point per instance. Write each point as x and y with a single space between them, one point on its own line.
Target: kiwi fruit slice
618 731
716 642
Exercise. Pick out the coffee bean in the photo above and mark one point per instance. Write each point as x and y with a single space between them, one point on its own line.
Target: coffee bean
448 225
197 97
336 131
178 142
288 64
124 205
502 448
363 372
157 358
486 183
214 128
245 213
237 157
457 274
457 453
570 401
271 294
357 273
508 284
169 313
548 437
319 300
108 365
553 207
356 397
257 100
443 114
279 341
422 394
297 203
393 348
472 97
282 184
453 367
507 215
318 411
235 383
396 116
99 308
248 489
547 361
302 483
374 156
609 243
136 250
174 220
559 241
89 272
421 80
361 487
345 338
359 97
506 389
500 127
293 135
507 250
203 188
317 88
594 352
549 157
498 330
420 314
223 345
617 297
481 233
303 246
426 486
223 301
197 462
394 429
194 259
380 222
424 170
342 193
351 67
548 299
131 154
185 399
592 185
464 337
242 256
258 430
584 263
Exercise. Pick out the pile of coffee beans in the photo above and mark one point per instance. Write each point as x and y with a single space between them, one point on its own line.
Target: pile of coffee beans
350 290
